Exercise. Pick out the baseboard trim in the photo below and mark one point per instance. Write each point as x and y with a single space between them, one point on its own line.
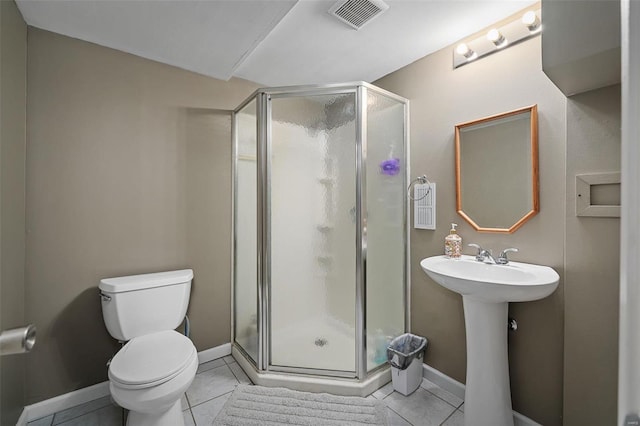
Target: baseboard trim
520 420
445 382
22 421
455 387
214 353
62 402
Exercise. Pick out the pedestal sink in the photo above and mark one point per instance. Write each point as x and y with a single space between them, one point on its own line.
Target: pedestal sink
486 290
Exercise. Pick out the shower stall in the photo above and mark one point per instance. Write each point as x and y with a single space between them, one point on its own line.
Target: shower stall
320 239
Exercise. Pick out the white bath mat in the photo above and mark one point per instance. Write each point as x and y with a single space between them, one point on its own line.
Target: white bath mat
257 405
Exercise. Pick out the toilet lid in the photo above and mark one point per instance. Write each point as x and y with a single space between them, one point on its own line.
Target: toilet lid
152 358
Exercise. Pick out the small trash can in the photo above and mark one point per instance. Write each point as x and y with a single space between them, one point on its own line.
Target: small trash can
405 354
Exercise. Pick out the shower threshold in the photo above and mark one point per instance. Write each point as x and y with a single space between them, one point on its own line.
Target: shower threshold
309 383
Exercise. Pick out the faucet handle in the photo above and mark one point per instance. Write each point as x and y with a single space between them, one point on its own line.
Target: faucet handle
479 254
476 246
502 259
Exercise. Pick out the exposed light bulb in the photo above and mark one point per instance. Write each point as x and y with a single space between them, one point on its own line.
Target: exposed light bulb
464 50
500 37
529 18
496 38
531 21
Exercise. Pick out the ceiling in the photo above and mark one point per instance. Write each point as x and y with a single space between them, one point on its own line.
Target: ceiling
270 42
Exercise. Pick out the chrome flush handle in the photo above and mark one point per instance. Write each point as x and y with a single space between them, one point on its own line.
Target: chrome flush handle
104 297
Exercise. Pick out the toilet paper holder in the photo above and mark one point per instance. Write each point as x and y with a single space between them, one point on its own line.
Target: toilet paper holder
17 340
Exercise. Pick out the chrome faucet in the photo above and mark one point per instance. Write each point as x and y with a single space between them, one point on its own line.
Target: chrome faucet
483 254
502 258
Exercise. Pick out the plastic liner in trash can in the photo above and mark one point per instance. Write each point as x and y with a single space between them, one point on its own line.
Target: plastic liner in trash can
404 349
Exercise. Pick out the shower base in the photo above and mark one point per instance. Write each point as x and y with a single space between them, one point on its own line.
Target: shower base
309 383
329 342
326 341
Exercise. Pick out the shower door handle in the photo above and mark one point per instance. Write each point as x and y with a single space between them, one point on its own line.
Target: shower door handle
352 213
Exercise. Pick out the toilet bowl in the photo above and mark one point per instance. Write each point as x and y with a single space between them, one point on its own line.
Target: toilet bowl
152 371
150 374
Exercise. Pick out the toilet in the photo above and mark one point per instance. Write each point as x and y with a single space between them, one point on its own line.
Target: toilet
155 367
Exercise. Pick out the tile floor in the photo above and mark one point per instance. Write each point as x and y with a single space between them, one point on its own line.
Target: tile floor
215 380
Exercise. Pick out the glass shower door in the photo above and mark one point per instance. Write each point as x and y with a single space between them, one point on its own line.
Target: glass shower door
312 227
386 172
245 238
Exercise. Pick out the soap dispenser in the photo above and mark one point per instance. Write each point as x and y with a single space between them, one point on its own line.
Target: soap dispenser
453 244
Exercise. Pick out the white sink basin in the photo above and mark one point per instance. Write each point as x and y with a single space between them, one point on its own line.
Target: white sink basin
486 290
514 282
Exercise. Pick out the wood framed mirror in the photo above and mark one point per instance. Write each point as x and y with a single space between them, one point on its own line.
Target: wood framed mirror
497 170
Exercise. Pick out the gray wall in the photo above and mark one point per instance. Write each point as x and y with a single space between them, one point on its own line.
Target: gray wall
129 171
591 266
442 97
13 60
578 55
563 358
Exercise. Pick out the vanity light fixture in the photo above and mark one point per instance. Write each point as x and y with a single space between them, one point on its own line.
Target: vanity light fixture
522 26
496 37
531 21
464 50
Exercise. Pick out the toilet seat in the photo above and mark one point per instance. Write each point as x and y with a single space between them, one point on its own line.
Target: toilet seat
151 360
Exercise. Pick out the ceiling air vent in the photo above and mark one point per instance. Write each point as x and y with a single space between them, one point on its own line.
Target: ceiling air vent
356 13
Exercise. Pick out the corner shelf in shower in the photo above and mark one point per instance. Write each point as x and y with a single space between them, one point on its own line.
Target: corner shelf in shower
325 258
327 276
245 157
327 180
325 228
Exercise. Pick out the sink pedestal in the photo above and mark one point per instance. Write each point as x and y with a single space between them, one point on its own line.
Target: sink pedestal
486 291
488 395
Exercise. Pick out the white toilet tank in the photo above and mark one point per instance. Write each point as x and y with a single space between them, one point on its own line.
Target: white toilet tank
136 305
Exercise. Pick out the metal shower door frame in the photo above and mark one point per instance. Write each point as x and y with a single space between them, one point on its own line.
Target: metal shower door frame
265 174
263 111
